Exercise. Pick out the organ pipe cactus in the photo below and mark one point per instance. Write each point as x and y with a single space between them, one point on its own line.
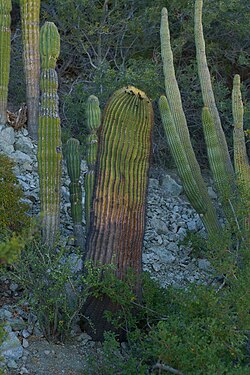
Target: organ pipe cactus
241 163
30 13
118 218
224 180
93 116
173 117
5 9
49 135
199 199
73 161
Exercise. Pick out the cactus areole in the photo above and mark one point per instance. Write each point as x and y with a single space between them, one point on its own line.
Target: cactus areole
117 217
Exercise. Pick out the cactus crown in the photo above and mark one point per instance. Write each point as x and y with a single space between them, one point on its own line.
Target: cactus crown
49 45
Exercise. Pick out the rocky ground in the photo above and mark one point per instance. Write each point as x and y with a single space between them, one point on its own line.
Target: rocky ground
169 218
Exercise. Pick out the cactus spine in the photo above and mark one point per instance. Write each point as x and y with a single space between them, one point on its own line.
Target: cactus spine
49 134
173 116
73 161
30 13
118 219
93 115
5 9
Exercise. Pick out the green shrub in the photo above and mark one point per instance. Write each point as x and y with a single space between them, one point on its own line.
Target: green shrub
195 331
50 286
13 215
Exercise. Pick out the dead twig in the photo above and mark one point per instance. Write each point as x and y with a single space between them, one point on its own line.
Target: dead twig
161 366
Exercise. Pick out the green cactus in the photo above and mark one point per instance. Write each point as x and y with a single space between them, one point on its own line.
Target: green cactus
173 116
5 9
73 161
225 182
117 224
241 163
93 116
30 14
199 199
49 135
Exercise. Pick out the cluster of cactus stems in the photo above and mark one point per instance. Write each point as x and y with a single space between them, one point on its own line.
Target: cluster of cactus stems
173 116
30 15
93 117
73 161
177 134
118 217
5 19
49 135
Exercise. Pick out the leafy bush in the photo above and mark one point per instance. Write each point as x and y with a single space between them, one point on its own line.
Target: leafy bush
13 217
195 331
52 288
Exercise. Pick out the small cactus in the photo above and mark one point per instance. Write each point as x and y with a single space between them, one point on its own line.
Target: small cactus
93 116
73 161
5 9
49 135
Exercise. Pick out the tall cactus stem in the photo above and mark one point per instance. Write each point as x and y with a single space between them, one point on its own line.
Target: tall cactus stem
217 166
207 92
49 136
200 200
93 116
73 161
241 162
5 9
174 99
30 14
118 218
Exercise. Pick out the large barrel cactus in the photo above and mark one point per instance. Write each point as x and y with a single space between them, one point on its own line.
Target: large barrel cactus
118 216
30 13
5 9
93 116
49 135
73 161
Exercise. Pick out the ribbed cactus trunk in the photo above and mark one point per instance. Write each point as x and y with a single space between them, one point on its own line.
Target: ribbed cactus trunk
30 13
241 162
225 183
49 135
197 197
118 217
93 116
73 161
173 116
5 9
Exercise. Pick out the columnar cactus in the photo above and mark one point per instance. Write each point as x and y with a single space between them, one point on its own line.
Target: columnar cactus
241 163
93 116
30 13
225 181
5 9
199 198
73 161
173 115
118 217
49 134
